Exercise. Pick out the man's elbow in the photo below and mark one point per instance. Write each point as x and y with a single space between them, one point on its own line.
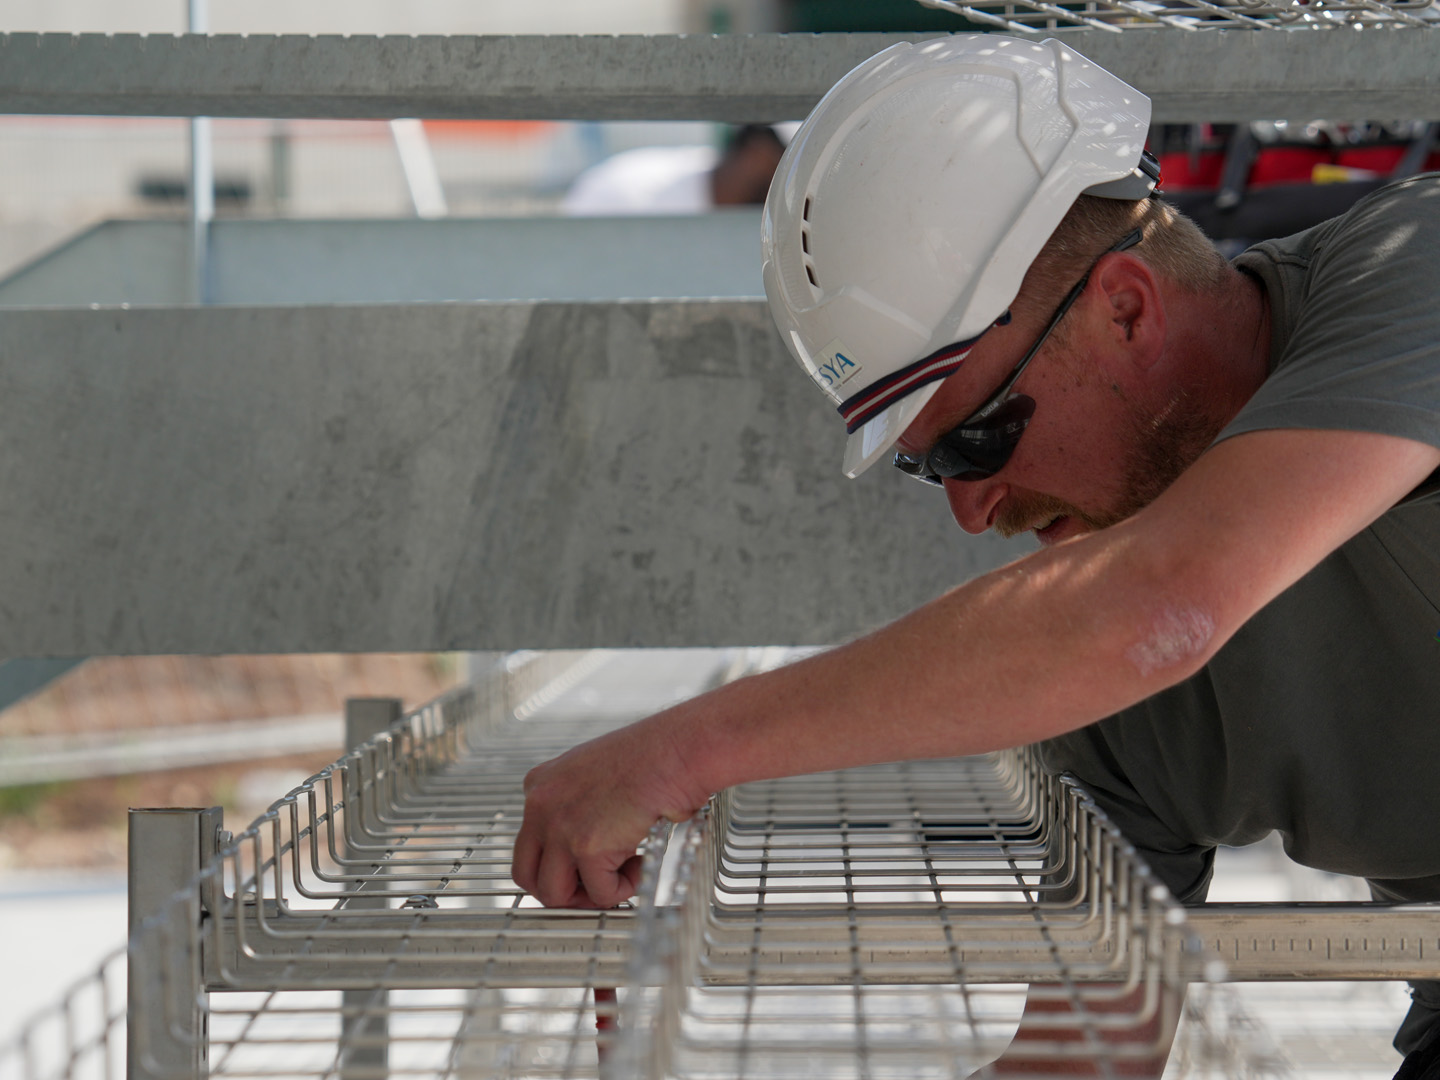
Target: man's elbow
1180 605
1172 640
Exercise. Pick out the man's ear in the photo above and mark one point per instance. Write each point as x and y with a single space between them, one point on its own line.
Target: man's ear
1133 308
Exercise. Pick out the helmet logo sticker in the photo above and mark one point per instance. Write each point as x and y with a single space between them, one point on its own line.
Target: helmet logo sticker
835 367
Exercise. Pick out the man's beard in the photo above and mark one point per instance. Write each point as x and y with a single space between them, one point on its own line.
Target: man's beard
1162 447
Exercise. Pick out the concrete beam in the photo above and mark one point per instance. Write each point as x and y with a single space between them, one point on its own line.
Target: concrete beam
259 262
449 476
565 77
1218 76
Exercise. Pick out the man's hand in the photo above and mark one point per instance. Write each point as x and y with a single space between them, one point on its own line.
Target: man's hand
588 810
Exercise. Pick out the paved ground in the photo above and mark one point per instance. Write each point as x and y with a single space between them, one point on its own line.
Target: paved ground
55 929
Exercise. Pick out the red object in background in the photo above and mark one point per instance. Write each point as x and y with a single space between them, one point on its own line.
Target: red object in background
1376 159
1288 164
1273 165
1382 159
1183 171
499 130
606 1015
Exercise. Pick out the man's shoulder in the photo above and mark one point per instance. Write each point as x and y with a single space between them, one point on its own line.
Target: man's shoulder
1390 215
1363 280
1414 194
1384 213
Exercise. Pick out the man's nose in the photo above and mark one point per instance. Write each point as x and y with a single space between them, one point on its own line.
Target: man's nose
974 503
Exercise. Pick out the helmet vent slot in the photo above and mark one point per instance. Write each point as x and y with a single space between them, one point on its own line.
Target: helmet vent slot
806 259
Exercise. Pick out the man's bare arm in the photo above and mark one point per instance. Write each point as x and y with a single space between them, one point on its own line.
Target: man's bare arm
1048 644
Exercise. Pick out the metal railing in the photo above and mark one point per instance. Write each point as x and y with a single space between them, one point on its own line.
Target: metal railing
1039 16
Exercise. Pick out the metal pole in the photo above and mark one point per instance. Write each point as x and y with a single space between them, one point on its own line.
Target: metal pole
364 1026
280 167
167 1018
422 178
202 178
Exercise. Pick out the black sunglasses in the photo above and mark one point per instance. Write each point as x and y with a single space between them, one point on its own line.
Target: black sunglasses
982 443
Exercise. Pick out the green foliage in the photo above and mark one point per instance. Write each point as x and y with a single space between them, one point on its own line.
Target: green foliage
25 800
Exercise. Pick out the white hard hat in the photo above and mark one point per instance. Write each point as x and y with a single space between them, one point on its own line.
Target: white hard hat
909 205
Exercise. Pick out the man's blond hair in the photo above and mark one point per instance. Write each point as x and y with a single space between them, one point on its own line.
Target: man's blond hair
1172 245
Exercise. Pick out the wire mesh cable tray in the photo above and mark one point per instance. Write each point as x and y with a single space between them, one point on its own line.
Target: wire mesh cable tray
872 922
1030 17
382 885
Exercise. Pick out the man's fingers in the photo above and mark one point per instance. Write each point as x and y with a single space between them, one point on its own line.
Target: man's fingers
557 884
558 879
605 885
584 813
525 859
630 873
543 871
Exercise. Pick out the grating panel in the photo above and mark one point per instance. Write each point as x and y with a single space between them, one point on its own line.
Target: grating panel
857 923
878 922
1031 16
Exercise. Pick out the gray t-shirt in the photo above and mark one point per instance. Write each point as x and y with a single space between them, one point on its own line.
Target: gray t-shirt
1320 718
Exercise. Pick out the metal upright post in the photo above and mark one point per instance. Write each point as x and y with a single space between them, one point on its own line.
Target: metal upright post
422 179
202 178
364 1027
280 167
167 1018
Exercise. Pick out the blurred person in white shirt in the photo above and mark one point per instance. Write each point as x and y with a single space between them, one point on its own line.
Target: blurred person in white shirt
680 179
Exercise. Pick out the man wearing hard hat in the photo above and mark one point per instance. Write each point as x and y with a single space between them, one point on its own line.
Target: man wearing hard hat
1233 624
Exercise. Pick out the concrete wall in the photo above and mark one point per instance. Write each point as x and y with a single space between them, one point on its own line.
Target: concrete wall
456 476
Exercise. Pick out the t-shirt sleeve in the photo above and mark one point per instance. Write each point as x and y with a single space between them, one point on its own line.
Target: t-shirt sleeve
1357 311
1184 868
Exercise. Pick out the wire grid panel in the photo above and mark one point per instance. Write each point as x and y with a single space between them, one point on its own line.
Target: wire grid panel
366 924
865 923
1039 16
882 922
876 922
